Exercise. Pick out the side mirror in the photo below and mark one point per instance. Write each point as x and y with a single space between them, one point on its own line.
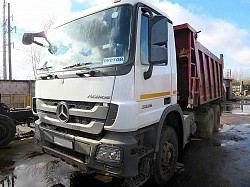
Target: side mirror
28 38
158 38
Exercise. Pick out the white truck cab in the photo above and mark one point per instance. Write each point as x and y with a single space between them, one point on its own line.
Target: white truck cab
106 96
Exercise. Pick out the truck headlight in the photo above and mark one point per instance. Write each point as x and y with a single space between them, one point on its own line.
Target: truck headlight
109 154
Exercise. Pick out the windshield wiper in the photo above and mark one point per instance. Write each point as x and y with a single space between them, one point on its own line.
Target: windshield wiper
45 77
78 65
45 67
91 73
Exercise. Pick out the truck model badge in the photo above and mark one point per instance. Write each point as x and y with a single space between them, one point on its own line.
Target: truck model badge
98 96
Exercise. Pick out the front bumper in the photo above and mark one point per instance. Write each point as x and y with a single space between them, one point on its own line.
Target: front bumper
68 159
81 151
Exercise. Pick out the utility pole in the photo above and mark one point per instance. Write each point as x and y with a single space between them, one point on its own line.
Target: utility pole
4 43
9 43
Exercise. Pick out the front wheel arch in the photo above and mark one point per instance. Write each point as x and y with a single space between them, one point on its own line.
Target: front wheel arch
173 111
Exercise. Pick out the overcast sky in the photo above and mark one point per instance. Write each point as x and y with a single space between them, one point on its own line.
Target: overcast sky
224 26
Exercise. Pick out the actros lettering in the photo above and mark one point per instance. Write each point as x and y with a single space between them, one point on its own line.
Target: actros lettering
98 96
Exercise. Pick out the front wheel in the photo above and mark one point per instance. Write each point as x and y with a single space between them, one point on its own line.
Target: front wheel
166 158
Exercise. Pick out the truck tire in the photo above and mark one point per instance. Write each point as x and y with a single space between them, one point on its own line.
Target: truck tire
205 124
166 158
216 110
210 123
7 130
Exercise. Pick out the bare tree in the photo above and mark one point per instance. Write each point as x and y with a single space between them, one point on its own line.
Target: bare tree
33 57
48 23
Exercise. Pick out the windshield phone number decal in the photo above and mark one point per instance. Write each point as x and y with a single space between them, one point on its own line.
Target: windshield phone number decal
113 60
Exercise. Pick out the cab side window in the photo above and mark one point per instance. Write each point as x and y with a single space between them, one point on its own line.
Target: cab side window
144 41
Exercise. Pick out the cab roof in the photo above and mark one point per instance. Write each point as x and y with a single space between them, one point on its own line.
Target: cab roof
106 5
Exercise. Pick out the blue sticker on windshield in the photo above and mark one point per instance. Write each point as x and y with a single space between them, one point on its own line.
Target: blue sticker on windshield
113 60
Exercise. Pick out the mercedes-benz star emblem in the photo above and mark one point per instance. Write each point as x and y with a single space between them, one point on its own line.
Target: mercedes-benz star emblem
62 112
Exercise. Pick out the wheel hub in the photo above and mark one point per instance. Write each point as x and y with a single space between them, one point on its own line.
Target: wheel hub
167 156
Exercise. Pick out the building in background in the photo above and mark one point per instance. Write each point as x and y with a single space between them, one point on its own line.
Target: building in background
17 93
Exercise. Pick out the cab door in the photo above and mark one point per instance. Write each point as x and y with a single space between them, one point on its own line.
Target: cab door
153 94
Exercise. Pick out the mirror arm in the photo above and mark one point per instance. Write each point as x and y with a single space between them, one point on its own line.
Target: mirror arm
38 43
40 34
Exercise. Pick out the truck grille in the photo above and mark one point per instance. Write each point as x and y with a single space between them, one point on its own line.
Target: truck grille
73 104
72 119
82 116
50 115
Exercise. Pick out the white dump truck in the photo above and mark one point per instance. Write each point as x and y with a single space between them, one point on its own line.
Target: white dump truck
121 91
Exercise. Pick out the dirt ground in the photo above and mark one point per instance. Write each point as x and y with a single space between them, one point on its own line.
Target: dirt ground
222 161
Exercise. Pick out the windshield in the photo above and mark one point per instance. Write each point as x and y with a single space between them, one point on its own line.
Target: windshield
97 40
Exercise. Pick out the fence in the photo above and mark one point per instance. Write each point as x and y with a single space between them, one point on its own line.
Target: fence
17 100
17 93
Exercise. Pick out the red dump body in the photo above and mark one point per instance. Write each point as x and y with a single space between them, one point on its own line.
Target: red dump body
200 73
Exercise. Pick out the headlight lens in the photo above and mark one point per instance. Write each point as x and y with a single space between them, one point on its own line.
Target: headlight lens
109 154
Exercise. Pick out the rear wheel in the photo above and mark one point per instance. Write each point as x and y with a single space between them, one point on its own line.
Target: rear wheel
205 124
166 157
7 130
216 110
210 123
